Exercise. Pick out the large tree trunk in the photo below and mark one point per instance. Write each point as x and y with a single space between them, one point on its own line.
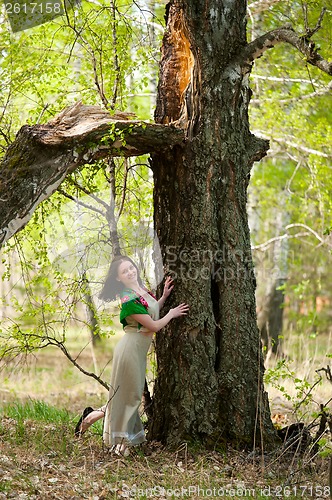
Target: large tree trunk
209 384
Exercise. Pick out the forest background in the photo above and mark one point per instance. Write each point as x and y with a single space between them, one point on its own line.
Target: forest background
108 54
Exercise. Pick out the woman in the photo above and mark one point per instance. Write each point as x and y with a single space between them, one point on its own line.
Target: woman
140 319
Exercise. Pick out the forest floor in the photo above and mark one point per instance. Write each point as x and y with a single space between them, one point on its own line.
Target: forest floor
55 466
41 459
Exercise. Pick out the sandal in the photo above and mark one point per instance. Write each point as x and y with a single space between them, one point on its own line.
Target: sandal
86 412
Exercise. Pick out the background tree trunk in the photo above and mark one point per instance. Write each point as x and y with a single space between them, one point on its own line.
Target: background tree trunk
92 318
270 315
209 384
270 318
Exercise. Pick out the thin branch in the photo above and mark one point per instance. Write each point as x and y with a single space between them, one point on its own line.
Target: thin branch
261 5
5 136
298 224
303 44
92 54
289 182
112 220
92 195
316 93
74 362
99 85
81 203
328 373
299 147
42 112
311 32
116 64
124 191
305 15
50 341
280 79
297 406
264 246
309 231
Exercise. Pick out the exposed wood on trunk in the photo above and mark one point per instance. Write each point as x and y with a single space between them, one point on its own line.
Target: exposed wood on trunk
176 69
42 155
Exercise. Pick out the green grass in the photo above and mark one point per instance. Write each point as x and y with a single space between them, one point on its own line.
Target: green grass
21 425
35 410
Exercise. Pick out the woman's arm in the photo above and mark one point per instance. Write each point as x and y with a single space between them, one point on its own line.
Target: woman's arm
156 325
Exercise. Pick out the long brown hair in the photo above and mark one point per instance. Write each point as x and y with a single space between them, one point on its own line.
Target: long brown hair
112 287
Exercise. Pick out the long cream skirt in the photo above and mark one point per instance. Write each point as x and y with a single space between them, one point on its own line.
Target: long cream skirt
122 423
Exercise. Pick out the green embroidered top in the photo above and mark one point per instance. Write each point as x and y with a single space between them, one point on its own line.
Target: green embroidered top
131 303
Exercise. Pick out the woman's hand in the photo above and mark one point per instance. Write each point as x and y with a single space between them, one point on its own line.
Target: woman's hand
156 325
168 287
180 310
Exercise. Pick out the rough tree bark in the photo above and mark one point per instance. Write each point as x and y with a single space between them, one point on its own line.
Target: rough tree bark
209 384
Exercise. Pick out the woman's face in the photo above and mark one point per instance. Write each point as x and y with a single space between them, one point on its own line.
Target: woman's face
127 273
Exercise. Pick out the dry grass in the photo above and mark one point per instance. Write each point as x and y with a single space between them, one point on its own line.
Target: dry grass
303 357
82 469
48 375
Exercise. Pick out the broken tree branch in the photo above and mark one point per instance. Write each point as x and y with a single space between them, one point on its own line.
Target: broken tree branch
41 156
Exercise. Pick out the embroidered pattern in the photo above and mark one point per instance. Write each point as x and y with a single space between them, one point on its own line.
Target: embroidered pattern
143 302
138 299
125 298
